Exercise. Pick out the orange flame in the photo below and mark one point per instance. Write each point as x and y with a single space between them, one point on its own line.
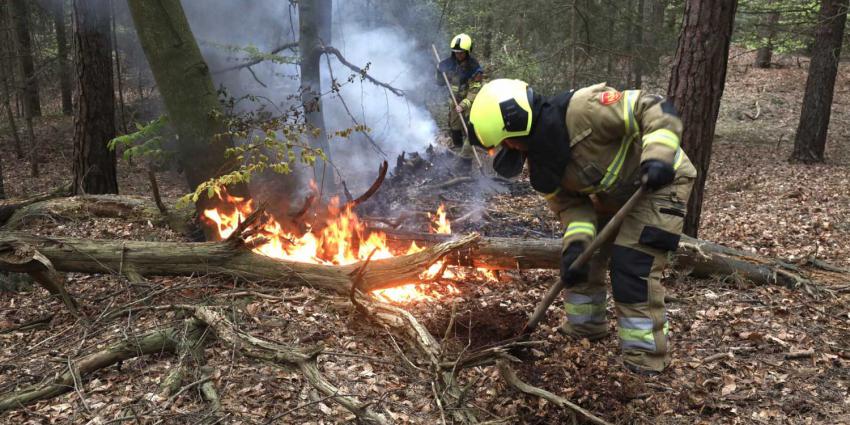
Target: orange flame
341 240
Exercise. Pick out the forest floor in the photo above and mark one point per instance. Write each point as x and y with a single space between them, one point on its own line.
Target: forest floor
755 201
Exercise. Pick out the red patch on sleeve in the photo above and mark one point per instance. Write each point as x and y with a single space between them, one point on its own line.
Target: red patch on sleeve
610 97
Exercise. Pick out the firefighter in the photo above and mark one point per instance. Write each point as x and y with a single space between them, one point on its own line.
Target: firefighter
465 76
587 152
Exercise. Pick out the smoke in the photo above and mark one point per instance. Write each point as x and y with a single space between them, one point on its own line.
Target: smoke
366 36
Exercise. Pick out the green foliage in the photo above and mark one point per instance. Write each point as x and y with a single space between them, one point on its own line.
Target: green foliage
784 25
251 53
615 40
145 142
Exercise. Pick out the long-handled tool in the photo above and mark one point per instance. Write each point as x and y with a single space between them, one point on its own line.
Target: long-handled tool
460 115
606 233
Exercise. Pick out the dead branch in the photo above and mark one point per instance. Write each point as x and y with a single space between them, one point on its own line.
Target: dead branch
304 360
308 202
162 340
453 182
800 354
236 238
155 190
8 207
334 51
382 173
365 133
251 63
758 112
19 257
511 378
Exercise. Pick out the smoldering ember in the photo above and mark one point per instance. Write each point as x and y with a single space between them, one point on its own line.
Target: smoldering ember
424 212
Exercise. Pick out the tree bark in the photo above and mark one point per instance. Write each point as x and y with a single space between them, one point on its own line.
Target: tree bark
695 257
637 61
810 142
23 42
7 77
186 87
764 54
184 259
696 86
94 120
314 17
62 54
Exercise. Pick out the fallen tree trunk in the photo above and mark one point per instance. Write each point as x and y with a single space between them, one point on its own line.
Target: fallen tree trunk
9 206
695 257
179 258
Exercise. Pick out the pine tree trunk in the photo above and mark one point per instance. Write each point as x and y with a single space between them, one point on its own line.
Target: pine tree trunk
314 18
637 62
62 54
33 142
696 85
186 87
764 54
810 143
23 42
7 77
94 118
118 76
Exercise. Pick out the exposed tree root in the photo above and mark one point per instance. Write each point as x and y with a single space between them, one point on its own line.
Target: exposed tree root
511 378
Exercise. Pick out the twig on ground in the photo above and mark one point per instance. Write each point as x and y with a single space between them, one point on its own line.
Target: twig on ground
511 378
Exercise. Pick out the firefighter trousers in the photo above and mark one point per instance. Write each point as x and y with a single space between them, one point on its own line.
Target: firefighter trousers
636 260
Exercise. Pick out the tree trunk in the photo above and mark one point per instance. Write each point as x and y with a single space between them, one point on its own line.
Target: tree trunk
314 17
637 62
94 119
118 76
696 85
7 77
186 87
487 51
62 55
34 170
23 42
810 143
767 33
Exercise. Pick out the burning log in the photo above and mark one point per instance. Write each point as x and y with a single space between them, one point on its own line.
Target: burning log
186 259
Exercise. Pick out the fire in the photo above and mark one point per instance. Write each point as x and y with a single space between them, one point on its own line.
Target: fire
342 239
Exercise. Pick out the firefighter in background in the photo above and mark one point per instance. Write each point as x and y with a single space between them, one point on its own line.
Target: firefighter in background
465 76
587 152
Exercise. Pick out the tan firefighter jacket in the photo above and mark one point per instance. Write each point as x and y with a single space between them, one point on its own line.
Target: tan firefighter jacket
611 133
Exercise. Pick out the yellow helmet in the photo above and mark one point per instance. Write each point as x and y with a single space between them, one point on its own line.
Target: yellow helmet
461 43
501 110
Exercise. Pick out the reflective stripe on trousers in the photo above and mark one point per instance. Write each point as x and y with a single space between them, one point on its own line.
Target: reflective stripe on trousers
585 309
637 333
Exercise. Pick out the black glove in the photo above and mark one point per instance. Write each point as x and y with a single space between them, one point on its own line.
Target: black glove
574 276
656 173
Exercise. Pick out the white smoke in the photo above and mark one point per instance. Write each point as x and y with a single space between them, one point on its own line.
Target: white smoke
393 56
